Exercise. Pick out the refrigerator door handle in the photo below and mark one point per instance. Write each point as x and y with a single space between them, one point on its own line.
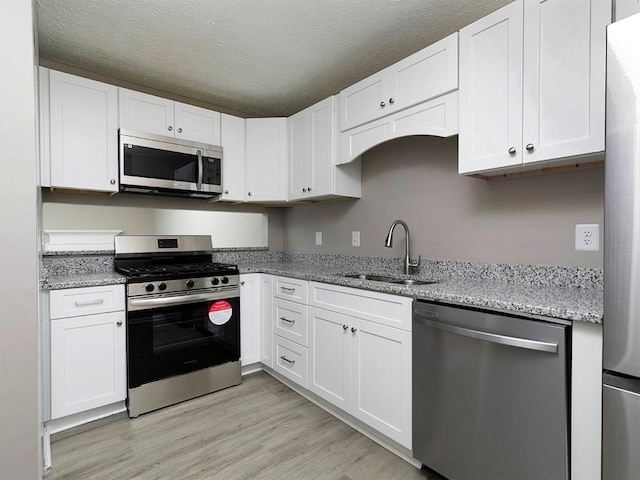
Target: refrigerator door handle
491 337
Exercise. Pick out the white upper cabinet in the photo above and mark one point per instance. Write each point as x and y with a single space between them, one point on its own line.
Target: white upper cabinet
312 149
266 159
532 84
233 158
83 133
160 116
426 74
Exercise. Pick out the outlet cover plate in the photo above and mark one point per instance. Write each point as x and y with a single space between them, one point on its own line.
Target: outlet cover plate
318 238
355 239
588 237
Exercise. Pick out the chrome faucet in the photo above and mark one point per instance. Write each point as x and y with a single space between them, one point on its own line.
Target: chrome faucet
408 264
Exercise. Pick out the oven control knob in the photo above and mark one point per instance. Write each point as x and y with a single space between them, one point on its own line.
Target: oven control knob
215 281
225 280
189 284
149 287
162 286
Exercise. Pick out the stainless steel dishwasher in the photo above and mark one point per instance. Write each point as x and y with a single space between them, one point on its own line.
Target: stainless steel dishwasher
490 394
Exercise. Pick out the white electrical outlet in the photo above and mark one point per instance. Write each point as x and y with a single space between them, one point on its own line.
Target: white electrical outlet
588 237
318 238
355 239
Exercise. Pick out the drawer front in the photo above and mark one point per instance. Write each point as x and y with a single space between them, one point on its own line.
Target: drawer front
390 310
290 289
290 321
290 360
73 302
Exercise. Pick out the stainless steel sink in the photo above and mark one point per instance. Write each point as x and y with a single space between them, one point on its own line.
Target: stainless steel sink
387 279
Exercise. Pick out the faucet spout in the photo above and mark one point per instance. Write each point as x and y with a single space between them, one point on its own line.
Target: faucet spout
408 264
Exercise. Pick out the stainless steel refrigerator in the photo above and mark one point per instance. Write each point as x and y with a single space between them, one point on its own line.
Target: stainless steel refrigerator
621 379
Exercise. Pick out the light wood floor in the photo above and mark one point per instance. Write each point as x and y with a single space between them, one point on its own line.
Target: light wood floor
260 429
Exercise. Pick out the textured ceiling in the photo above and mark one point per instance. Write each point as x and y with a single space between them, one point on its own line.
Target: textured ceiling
261 57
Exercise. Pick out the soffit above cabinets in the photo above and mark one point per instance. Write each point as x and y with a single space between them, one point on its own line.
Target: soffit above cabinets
261 57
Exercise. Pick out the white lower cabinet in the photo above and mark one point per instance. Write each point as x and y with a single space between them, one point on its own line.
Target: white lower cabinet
266 293
250 318
290 360
364 368
88 352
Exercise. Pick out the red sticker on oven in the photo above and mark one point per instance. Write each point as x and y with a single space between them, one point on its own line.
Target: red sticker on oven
220 312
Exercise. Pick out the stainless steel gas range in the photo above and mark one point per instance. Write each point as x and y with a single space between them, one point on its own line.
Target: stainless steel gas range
183 319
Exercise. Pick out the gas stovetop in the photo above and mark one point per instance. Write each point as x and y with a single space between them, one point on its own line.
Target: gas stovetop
141 273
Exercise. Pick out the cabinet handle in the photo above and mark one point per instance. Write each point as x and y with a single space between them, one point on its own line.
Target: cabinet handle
112 181
291 362
170 128
286 289
345 327
226 192
529 147
354 329
179 130
97 301
242 282
512 151
391 101
382 104
119 323
287 320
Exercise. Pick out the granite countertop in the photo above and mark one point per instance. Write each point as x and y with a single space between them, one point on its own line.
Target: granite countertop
92 279
566 303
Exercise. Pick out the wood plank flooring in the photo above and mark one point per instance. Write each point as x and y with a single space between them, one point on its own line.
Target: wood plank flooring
258 430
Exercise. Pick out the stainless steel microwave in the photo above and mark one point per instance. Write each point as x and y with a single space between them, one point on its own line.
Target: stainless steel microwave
156 164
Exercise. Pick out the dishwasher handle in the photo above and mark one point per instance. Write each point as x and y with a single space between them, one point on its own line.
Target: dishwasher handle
490 337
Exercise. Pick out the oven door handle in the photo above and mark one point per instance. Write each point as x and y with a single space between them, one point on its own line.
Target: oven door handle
146 303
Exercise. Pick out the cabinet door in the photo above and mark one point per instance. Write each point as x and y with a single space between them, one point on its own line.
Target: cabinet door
146 113
83 133
197 124
300 156
330 356
250 318
266 293
364 101
491 91
564 77
382 379
431 72
233 158
266 159
87 362
323 148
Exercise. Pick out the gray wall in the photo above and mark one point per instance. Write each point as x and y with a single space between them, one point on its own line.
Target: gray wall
451 217
19 418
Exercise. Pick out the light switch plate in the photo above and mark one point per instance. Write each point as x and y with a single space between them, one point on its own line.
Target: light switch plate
318 238
355 239
588 237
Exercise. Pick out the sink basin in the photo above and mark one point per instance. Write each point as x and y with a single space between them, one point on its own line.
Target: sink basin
387 279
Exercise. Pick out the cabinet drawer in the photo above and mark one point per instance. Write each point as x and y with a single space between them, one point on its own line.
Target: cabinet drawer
391 310
290 360
290 289
290 321
73 302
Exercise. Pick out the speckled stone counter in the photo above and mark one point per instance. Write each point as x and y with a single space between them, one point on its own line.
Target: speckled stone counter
78 269
565 293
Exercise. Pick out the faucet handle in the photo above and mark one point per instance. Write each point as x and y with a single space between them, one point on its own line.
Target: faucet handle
415 263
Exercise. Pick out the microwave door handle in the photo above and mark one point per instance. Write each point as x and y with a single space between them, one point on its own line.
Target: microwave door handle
200 170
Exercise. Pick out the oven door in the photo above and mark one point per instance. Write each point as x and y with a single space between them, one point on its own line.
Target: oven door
173 335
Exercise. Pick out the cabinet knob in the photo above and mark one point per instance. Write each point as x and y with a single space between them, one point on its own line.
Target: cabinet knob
112 181
170 128
308 189
226 192
354 329
382 104
179 130
304 190
391 100
345 327
529 147
242 282
512 151
249 193
119 323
